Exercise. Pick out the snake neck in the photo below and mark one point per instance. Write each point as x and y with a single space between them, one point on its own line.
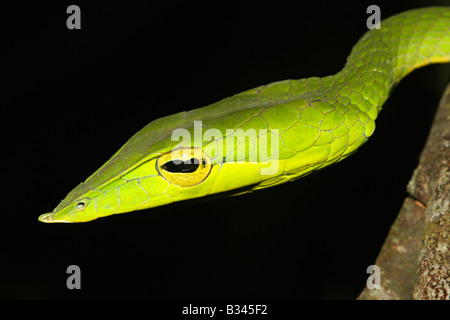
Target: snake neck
382 57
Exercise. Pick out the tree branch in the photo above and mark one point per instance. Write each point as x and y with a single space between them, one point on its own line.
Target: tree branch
415 258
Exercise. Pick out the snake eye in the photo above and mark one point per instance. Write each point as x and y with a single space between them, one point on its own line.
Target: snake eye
184 167
188 166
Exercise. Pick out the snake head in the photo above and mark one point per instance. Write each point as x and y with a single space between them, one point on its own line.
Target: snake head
158 167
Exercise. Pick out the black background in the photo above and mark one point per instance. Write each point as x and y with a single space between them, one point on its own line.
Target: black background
73 97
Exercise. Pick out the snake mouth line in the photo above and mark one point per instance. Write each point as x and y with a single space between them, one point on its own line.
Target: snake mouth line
48 218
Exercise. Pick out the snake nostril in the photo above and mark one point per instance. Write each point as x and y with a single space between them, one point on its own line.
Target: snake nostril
80 205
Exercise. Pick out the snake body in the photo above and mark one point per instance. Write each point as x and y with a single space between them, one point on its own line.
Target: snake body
314 122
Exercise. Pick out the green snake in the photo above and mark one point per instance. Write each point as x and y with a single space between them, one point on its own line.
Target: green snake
297 126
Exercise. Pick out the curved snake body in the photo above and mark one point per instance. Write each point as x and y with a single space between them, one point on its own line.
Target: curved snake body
316 122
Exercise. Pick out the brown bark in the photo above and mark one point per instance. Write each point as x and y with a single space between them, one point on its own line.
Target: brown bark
415 258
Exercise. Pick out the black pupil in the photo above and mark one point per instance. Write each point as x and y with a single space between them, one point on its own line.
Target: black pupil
179 166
